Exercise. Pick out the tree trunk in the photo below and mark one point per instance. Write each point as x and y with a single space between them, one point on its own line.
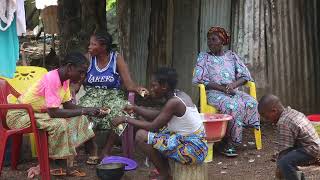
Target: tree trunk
69 24
123 14
78 19
93 17
157 37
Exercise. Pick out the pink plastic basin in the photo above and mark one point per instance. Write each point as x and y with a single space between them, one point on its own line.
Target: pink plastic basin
215 126
314 117
315 120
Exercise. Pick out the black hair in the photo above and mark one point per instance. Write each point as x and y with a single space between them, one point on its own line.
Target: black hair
104 38
268 101
74 58
166 75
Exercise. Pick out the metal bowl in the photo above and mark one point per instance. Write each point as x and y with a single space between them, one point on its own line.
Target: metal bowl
110 171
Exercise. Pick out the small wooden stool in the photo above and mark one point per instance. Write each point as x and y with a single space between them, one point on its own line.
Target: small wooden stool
310 171
188 172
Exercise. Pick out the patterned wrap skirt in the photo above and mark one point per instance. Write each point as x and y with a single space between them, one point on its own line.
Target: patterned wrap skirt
108 98
191 149
64 134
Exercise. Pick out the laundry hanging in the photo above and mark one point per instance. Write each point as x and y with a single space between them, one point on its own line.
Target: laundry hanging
21 18
7 10
41 4
9 42
9 50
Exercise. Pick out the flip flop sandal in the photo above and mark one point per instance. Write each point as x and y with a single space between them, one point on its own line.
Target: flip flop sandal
154 173
77 173
159 178
58 172
230 152
93 160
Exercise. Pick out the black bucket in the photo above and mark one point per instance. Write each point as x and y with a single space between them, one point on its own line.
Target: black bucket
111 171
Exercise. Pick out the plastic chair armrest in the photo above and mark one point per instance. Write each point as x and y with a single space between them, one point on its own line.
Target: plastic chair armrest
203 96
131 97
252 89
204 106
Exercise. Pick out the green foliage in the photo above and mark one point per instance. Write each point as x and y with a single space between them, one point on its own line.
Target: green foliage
111 4
112 22
316 127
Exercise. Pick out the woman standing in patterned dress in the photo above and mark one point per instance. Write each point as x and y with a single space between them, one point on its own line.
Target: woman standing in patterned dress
222 72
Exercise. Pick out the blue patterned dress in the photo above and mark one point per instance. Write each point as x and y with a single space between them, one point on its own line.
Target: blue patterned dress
225 70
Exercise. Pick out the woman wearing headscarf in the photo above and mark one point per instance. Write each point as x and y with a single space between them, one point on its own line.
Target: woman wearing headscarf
222 72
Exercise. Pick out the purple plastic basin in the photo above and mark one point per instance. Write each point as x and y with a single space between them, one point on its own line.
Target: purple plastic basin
130 164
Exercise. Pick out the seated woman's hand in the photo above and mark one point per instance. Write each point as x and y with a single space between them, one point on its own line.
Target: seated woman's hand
142 91
231 86
118 120
104 112
129 109
232 92
229 91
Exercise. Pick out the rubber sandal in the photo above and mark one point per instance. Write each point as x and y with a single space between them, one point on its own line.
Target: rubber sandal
57 172
159 178
229 152
93 160
154 173
77 173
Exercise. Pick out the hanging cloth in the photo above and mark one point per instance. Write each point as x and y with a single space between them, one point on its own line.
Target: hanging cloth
41 4
21 18
9 50
7 10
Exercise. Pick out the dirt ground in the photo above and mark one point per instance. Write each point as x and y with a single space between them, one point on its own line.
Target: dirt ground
250 164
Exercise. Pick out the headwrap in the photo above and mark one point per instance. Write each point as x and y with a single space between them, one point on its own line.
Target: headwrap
221 32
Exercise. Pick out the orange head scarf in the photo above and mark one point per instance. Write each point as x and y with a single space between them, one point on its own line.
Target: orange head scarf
221 32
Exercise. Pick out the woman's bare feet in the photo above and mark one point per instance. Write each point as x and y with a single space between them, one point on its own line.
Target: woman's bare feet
33 171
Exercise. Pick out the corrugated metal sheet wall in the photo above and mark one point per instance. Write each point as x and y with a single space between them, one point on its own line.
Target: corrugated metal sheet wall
280 42
248 36
293 52
185 42
213 13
